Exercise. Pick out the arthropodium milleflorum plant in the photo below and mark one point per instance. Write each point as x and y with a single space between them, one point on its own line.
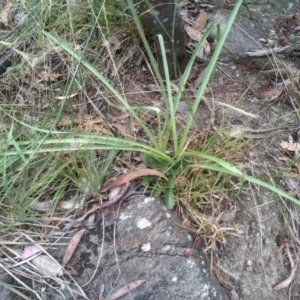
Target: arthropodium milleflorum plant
166 137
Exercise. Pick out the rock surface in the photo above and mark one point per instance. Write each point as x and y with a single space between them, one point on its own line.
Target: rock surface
150 246
251 27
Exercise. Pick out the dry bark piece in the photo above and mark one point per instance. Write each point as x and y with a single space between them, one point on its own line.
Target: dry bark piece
201 20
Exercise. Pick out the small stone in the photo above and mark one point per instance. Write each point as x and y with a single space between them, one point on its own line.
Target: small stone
146 247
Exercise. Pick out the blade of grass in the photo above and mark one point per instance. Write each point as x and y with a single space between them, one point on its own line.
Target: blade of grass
88 143
16 291
84 138
147 46
11 140
170 112
171 103
189 67
105 82
225 167
209 71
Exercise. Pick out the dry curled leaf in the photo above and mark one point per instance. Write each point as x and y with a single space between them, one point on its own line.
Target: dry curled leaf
285 283
201 20
290 147
4 13
127 132
194 34
72 246
131 175
114 41
46 76
267 94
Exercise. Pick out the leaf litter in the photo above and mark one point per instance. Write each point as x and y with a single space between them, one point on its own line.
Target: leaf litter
72 246
195 33
4 13
131 175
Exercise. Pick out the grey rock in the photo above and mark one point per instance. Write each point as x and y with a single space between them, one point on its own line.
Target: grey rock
243 37
150 246
251 26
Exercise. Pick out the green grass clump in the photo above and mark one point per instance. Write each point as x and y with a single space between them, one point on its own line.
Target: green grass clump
29 144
